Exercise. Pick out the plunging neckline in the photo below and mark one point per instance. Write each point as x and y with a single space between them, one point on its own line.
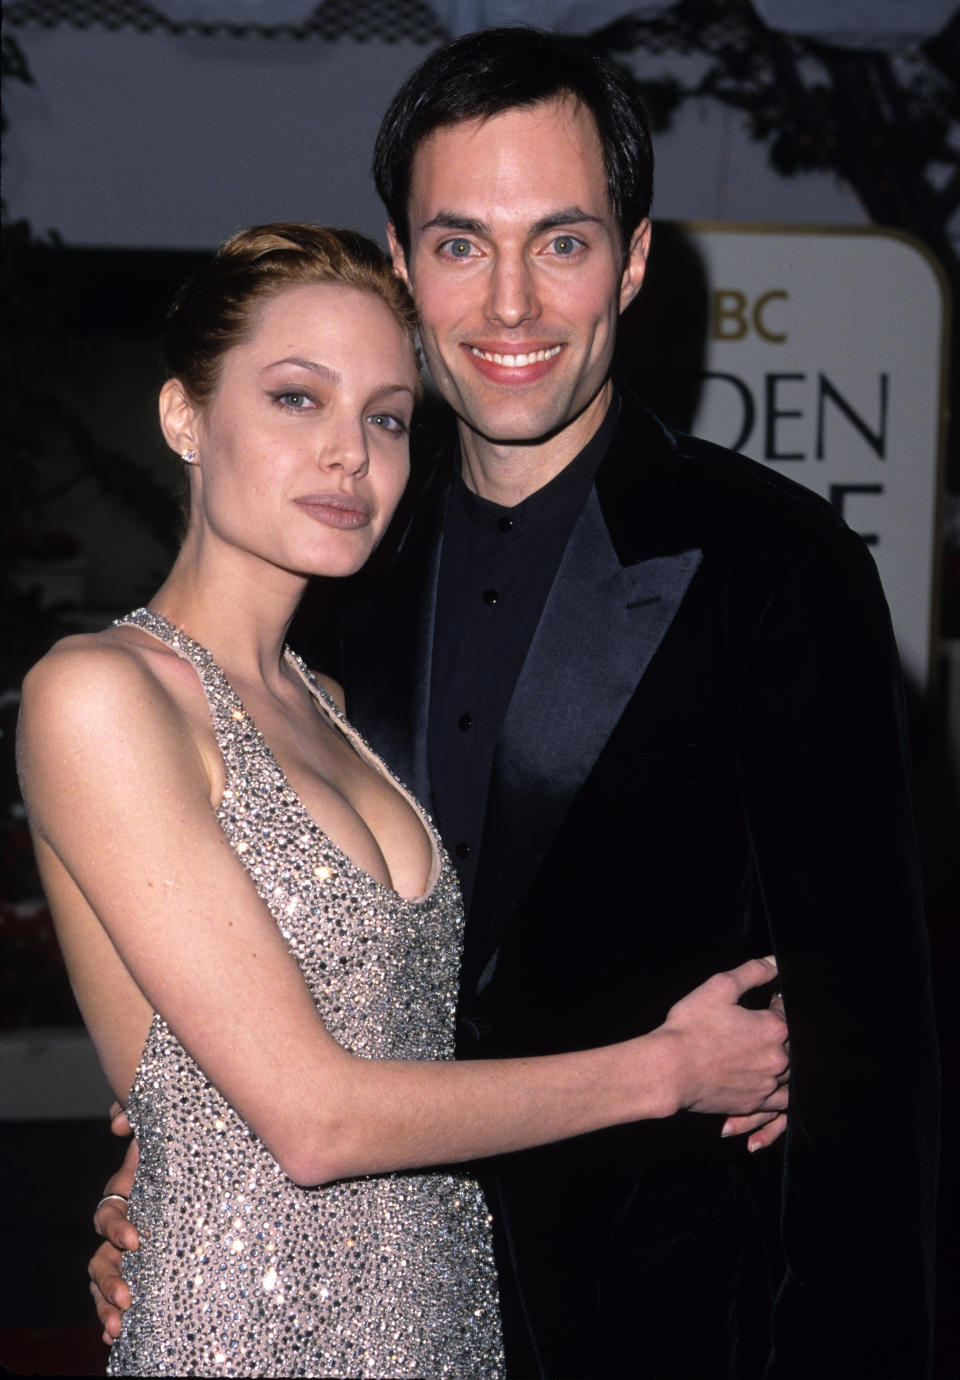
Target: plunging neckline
180 642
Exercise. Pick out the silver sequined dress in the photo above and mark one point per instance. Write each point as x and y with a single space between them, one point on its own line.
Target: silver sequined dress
240 1271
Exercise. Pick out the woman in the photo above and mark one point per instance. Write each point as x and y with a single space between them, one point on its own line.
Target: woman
260 926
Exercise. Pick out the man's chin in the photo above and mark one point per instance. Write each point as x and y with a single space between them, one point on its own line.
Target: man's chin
529 429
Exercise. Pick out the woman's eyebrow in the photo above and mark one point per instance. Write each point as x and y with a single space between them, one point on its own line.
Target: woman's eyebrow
323 370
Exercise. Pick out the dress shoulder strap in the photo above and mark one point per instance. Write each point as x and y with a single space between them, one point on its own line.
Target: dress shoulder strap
231 722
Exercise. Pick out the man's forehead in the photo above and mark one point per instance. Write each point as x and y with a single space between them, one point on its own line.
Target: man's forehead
544 157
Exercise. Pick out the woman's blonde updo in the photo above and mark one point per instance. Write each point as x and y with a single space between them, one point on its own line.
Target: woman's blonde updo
216 307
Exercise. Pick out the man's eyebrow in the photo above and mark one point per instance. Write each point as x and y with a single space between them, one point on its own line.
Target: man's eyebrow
567 215
453 220
570 215
324 370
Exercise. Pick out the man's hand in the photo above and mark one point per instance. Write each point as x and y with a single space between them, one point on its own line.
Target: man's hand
110 1294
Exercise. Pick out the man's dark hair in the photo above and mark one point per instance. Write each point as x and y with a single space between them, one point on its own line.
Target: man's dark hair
495 70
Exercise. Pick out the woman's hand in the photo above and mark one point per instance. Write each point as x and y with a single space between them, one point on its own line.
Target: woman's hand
110 1293
727 1058
766 1127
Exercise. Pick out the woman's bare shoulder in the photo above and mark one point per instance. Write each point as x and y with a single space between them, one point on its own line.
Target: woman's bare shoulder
88 676
333 688
110 687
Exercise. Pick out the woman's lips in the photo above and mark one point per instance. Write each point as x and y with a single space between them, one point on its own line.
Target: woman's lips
335 510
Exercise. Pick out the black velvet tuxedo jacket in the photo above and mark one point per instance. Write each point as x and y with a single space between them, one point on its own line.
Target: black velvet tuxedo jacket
702 761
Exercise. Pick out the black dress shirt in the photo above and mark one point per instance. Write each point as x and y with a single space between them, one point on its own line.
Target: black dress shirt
496 569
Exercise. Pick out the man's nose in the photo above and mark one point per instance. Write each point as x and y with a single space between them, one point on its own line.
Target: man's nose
512 297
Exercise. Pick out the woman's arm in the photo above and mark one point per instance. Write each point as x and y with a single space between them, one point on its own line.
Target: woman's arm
142 878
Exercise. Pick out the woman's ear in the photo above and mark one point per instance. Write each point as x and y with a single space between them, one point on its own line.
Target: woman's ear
179 416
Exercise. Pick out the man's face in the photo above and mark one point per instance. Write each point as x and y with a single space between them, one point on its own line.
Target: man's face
517 269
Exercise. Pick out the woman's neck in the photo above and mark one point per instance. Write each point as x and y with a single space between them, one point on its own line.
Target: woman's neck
235 605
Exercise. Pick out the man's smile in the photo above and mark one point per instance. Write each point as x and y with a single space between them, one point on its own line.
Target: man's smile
515 361
512 366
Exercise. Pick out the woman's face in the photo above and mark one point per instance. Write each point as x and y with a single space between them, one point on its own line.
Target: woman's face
303 451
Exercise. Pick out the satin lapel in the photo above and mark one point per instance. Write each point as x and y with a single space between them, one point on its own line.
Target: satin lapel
600 628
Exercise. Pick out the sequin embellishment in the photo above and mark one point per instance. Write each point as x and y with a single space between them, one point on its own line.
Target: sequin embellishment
240 1271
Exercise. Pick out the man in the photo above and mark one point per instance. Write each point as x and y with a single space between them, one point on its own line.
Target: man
648 689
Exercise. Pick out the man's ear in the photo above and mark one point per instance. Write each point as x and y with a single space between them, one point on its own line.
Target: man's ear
396 253
179 417
634 269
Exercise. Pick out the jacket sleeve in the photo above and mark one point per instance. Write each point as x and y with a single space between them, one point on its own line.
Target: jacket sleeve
824 783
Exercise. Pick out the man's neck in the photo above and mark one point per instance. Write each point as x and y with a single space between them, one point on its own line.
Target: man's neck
507 473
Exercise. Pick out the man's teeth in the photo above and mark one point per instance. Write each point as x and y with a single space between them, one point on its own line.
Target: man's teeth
517 361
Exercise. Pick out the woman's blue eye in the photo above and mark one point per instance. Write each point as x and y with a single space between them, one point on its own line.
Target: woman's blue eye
388 422
295 401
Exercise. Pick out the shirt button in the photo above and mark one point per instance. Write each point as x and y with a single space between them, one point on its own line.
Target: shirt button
465 722
490 596
463 849
505 524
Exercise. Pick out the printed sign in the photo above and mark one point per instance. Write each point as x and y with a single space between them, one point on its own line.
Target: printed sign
825 358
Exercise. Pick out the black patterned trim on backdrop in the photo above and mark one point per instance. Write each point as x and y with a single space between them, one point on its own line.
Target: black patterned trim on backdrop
390 21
